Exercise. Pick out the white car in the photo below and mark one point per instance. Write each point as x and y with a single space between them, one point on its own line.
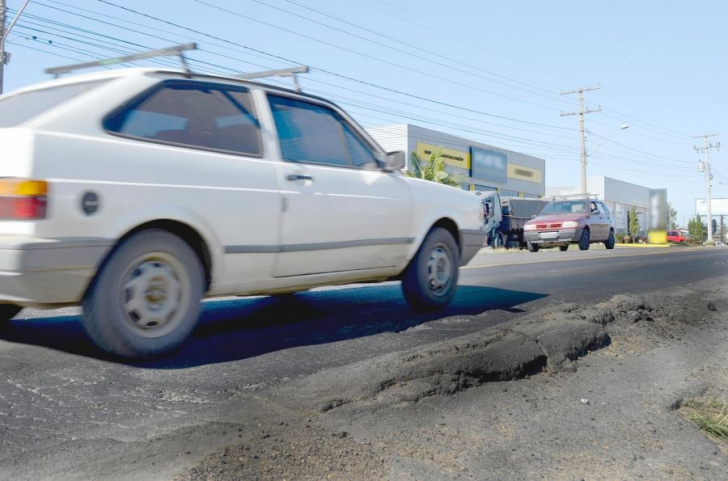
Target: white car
137 192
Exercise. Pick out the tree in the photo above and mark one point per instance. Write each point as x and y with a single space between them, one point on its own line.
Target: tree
432 170
633 222
671 217
696 229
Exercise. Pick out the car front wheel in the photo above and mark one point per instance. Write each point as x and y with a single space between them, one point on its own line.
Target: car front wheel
584 241
563 248
145 300
431 278
610 242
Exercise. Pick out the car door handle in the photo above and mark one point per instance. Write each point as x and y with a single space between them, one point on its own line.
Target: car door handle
296 177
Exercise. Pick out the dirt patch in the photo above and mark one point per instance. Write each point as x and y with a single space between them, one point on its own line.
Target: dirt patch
294 452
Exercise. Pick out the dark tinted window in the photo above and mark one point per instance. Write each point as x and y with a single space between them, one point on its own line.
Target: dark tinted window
192 114
20 108
308 132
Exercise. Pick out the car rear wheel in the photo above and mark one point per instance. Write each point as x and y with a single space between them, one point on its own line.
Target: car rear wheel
145 300
584 241
532 247
610 242
8 311
563 248
431 278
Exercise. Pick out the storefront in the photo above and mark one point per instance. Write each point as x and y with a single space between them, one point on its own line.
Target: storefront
478 166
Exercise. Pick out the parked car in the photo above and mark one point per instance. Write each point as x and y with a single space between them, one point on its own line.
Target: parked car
563 222
676 237
138 192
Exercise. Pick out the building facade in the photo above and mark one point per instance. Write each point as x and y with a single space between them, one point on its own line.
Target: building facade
478 166
620 197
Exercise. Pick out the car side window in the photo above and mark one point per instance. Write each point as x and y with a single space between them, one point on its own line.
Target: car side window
192 114
604 209
312 133
308 133
360 154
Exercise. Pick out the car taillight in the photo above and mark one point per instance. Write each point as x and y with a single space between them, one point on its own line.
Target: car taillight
23 199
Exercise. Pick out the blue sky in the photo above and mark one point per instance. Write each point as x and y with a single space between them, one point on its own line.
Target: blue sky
490 71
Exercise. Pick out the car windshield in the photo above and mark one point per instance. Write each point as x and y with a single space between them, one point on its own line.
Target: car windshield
565 207
18 109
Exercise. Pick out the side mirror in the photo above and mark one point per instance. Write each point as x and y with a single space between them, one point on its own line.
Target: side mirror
533 216
394 161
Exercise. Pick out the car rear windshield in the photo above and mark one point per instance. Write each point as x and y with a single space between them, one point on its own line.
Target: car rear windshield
565 207
20 108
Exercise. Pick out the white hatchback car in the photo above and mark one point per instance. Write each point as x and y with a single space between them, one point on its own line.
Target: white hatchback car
138 192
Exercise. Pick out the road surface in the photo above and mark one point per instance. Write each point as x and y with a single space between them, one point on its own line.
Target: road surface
67 411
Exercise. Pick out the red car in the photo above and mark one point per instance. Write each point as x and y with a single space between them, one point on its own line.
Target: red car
676 237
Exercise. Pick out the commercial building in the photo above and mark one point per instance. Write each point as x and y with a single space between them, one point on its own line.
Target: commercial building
620 197
479 166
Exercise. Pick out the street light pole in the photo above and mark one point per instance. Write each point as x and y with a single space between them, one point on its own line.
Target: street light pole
621 127
582 130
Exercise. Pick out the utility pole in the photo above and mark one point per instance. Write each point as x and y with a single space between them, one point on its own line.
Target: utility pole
708 177
582 130
4 32
3 21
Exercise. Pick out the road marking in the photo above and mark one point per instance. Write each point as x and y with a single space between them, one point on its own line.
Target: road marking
543 261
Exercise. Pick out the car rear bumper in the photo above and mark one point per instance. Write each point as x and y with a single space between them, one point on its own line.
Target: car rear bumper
37 271
553 237
471 242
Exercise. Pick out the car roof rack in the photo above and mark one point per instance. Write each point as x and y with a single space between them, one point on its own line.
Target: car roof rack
177 50
571 196
283 72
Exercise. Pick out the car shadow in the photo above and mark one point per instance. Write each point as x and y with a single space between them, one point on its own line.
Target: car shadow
242 328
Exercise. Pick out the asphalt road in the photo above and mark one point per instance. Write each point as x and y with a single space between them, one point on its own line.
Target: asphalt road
66 411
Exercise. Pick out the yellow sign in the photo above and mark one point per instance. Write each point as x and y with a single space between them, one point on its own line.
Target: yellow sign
521 172
657 237
452 157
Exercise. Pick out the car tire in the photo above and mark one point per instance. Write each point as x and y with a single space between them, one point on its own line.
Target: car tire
563 248
145 299
8 311
498 241
611 241
431 278
532 247
584 240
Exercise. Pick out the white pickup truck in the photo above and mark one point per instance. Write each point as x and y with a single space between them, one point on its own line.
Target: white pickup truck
137 192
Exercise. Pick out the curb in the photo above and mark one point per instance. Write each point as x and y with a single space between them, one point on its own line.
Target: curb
643 246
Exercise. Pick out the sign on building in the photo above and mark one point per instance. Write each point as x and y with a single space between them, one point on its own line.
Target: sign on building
489 165
455 158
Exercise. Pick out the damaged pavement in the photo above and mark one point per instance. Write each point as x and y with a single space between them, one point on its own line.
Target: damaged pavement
574 392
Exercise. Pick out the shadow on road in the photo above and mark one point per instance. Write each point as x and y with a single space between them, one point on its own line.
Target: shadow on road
237 329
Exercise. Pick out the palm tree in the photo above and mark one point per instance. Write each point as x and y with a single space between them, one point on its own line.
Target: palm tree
432 170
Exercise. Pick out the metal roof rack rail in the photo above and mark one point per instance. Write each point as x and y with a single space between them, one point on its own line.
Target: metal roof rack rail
571 196
177 50
284 72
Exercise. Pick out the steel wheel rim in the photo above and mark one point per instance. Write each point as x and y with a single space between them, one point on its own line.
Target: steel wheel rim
440 269
154 291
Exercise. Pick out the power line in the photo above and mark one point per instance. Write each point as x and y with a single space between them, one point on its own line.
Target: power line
329 72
